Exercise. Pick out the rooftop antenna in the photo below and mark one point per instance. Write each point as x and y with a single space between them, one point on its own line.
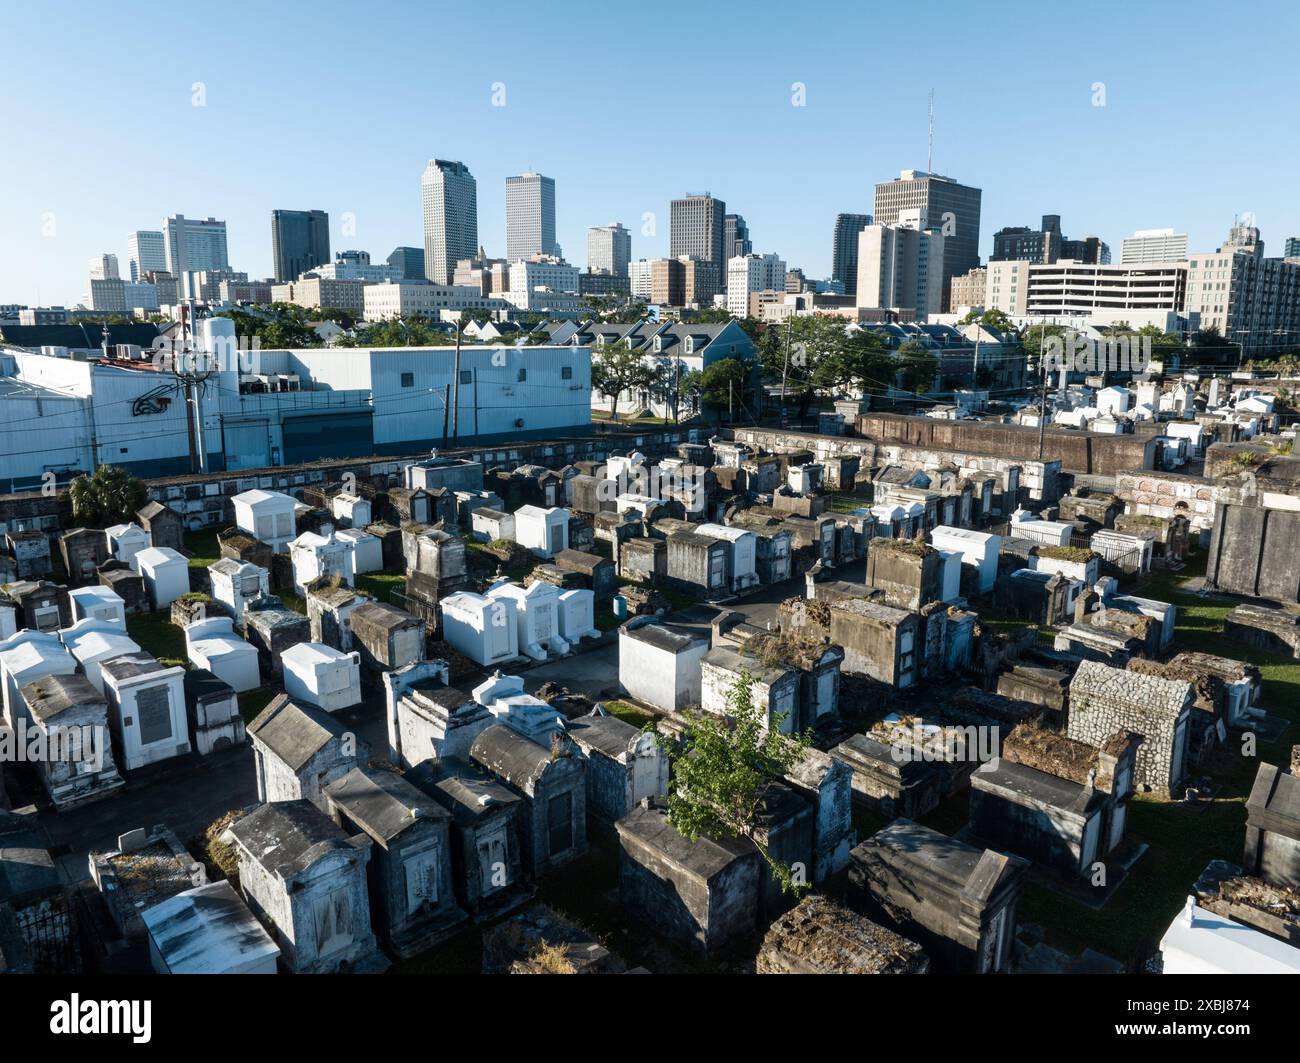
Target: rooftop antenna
929 154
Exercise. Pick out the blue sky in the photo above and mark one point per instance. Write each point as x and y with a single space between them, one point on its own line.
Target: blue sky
339 106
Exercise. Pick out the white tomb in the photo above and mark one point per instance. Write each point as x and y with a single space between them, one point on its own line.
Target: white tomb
488 525
166 575
1025 525
125 541
978 550
950 576
1203 942
8 621
315 556
1130 552
146 709
536 617
576 610
483 629
322 676
367 550
888 520
503 696
641 505
92 642
543 531
26 657
98 603
351 511
270 516
213 644
744 553
235 583
659 664
805 479
626 468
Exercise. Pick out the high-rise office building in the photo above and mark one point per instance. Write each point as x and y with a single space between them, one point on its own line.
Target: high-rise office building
145 253
697 229
747 274
641 278
530 216
1152 245
950 207
735 237
450 202
300 240
193 244
1291 249
103 268
901 266
410 260
844 249
609 249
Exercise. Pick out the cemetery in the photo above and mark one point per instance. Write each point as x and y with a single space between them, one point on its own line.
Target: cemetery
471 684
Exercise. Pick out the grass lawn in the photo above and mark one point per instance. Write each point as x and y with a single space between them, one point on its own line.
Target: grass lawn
156 634
203 545
628 713
848 501
381 585
1182 839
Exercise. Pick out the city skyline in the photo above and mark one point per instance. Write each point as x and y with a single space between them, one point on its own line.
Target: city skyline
1080 162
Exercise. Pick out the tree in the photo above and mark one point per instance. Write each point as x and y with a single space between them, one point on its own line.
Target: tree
109 496
916 367
721 768
990 318
619 369
814 352
725 383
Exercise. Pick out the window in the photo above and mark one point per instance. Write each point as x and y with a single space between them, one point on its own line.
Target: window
467 376
566 372
523 375
408 380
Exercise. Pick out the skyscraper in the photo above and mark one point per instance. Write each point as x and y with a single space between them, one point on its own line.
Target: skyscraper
145 253
950 207
530 216
300 239
844 249
410 260
901 266
194 245
450 201
609 249
735 237
1152 245
103 268
697 229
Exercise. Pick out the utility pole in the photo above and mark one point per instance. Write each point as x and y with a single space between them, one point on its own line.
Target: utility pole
446 412
193 368
731 409
785 368
1042 402
455 387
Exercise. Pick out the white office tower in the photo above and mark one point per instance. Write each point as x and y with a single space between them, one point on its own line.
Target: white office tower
450 200
752 273
900 266
530 216
1152 245
146 252
104 268
609 250
193 245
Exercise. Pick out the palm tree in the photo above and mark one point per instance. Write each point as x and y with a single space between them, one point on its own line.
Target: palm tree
110 496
